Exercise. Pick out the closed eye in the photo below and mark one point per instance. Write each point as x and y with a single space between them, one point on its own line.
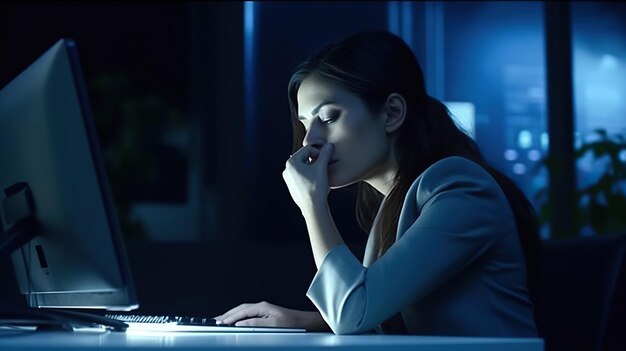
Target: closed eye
330 119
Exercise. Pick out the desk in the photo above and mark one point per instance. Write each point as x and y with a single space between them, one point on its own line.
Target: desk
26 341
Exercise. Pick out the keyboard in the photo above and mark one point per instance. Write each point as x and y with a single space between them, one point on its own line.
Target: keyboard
134 318
190 324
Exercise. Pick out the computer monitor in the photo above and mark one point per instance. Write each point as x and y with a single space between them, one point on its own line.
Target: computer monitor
48 143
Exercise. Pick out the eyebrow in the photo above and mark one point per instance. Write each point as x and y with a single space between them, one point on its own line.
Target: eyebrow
316 109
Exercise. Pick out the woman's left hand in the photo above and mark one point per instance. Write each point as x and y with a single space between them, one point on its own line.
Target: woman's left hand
264 314
306 176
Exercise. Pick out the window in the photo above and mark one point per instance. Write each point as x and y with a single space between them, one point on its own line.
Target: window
599 65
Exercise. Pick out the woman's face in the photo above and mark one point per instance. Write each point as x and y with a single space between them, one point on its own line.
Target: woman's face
331 114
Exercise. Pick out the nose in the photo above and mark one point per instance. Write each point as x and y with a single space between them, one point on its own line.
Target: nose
314 136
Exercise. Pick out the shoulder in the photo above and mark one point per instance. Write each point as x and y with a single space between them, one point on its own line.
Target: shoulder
453 166
454 174
456 195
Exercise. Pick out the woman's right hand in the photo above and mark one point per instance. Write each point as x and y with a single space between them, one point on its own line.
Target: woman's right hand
264 314
306 175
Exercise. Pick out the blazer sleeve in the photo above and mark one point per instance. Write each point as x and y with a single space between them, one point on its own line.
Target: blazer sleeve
459 209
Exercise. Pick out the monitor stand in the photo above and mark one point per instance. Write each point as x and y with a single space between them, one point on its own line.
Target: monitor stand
18 213
45 319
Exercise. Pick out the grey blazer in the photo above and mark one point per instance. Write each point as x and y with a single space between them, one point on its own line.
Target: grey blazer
456 267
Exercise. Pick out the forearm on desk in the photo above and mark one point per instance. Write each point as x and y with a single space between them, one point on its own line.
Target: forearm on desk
313 321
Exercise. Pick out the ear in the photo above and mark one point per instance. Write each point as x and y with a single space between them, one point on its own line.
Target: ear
395 112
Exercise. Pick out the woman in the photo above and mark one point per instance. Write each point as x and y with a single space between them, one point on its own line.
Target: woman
452 242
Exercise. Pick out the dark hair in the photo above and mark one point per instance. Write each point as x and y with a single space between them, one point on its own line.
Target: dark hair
374 65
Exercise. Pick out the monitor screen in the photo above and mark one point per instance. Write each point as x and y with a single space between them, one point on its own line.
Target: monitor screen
48 141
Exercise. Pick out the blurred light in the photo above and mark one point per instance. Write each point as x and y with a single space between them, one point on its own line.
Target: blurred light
536 92
248 17
586 163
510 155
544 141
608 61
393 17
592 137
519 168
604 93
577 140
622 156
525 139
464 115
407 22
534 155
250 109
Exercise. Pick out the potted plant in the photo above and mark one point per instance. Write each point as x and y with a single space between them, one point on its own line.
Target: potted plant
601 204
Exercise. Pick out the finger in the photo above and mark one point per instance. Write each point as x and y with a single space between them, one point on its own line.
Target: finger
232 311
313 155
257 322
302 154
250 312
325 153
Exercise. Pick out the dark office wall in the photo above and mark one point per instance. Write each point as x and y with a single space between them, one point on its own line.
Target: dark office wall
147 41
159 48
286 33
148 47
135 59
209 278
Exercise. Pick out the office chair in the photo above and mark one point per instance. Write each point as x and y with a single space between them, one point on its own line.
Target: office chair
581 303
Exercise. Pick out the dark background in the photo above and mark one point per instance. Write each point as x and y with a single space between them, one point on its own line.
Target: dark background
155 67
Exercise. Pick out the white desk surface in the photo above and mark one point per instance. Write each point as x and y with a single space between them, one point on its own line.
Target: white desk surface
83 340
